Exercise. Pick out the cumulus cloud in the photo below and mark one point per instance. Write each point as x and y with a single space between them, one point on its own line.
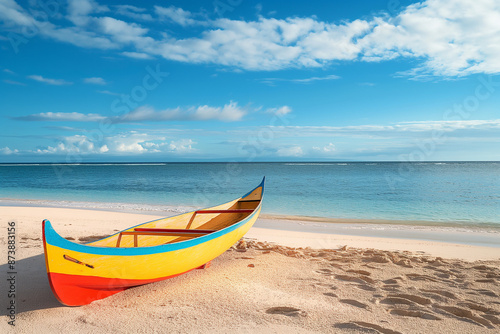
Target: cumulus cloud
79 10
121 31
130 143
8 151
11 12
454 38
325 149
281 111
133 12
443 38
293 151
176 15
77 144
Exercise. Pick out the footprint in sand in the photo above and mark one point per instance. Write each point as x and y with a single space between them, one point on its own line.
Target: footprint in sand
419 277
354 303
350 279
362 272
413 298
391 287
443 293
414 314
327 272
484 268
396 301
485 280
365 327
464 314
494 320
487 293
330 294
368 266
285 310
366 287
479 307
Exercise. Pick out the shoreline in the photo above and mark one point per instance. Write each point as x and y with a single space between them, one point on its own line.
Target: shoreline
169 210
447 243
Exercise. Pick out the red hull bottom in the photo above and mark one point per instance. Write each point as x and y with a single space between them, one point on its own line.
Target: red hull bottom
74 290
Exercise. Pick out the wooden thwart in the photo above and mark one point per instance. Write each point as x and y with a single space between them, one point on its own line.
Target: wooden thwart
216 211
165 232
175 232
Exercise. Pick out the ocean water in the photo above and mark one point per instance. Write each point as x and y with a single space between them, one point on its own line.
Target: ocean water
451 193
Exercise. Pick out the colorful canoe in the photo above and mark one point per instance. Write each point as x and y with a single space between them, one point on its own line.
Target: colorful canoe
146 253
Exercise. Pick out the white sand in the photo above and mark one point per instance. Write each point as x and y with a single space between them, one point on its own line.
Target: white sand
328 291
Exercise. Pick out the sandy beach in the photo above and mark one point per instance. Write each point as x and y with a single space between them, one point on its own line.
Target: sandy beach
295 279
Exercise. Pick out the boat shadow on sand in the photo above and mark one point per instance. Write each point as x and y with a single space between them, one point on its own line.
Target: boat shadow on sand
32 290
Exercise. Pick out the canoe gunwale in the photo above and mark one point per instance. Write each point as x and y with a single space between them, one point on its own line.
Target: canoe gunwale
53 238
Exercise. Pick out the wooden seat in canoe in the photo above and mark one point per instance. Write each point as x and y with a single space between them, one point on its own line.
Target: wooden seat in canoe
216 211
177 232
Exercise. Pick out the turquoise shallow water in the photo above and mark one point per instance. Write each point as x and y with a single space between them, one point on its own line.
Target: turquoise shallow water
466 193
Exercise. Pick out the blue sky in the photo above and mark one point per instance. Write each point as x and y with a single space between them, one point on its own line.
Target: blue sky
89 81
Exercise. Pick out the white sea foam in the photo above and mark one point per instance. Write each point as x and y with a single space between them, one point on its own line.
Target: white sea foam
126 207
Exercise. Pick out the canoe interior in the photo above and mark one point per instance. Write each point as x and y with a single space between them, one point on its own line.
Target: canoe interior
211 221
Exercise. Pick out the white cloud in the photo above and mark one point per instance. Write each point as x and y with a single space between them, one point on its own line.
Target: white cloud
272 81
104 149
79 37
107 92
174 14
56 82
8 151
95 81
133 12
293 151
77 144
443 38
181 146
326 149
12 82
79 10
61 116
281 111
389 131
10 11
130 143
454 38
121 31
308 80
137 55
230 112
